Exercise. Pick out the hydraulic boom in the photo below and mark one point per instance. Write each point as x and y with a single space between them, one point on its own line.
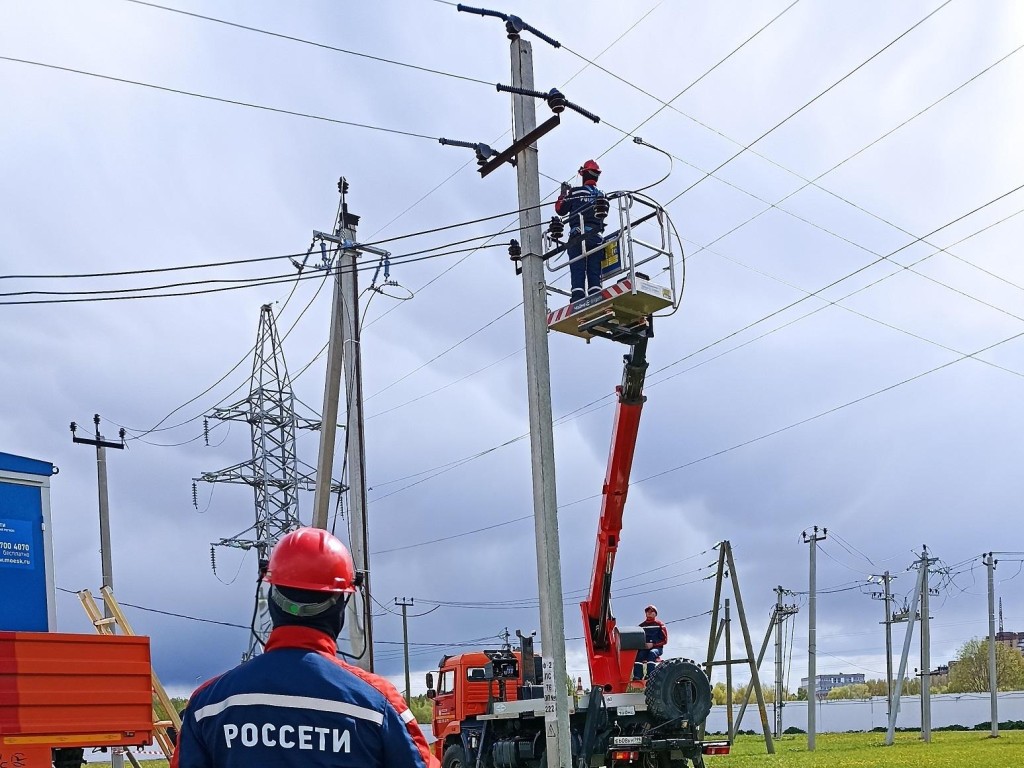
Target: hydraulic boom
612 650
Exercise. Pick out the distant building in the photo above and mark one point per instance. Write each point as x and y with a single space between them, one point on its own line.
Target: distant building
1011 640
826 683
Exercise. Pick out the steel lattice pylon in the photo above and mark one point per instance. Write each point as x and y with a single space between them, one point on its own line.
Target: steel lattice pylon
273 469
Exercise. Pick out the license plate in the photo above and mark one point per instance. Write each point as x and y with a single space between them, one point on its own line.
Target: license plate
630 710
627 741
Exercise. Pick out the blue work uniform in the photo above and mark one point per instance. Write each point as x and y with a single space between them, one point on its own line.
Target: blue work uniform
655 633
298 704
584 230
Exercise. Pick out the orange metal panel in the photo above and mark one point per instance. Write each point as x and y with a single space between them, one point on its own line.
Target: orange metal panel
67 689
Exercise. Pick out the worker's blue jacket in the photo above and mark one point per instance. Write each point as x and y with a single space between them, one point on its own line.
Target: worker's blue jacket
298 704
580 200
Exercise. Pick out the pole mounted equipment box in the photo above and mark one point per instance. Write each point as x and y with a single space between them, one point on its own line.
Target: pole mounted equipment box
26 546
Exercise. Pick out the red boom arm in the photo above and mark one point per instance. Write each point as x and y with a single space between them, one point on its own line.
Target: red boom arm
610 666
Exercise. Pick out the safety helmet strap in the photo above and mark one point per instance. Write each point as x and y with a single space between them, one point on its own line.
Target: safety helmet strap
293 608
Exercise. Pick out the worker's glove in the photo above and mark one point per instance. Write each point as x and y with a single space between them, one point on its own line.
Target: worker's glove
566 189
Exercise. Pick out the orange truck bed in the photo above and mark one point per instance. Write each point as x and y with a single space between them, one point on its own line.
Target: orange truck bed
65 690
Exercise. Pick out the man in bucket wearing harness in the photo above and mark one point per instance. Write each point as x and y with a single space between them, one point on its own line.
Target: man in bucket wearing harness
298 703
577 203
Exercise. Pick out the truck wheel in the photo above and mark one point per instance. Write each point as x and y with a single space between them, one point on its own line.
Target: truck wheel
71 757
678 689
454 757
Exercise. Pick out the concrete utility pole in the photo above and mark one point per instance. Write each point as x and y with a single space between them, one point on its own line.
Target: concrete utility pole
990 567
812 642
116 755
911 618
344 351
886 595
926 652
782 612
106 562
405 641
542 442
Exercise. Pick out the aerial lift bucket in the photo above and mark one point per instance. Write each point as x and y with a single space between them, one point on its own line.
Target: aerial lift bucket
622 309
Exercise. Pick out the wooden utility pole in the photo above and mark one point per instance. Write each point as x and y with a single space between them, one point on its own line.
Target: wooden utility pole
726 565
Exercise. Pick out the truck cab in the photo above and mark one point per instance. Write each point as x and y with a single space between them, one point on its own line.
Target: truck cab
471 688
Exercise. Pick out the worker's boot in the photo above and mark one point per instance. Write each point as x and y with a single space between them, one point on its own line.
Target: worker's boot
577 295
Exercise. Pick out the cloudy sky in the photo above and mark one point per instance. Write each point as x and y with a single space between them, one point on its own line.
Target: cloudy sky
849 352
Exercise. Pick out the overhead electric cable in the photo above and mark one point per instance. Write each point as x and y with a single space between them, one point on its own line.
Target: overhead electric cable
313 43
247 282
800 109
808 182
207 97
728 449
606 398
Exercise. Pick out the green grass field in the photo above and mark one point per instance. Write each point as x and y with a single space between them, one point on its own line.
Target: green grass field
948 749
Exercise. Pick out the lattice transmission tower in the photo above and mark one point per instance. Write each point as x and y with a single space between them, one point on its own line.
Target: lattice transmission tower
273 471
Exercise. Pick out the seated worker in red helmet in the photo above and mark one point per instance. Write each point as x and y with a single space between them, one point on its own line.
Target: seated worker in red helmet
298 704
657 637
585 229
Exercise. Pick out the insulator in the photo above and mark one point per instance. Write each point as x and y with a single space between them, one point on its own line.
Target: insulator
483 153
195 495
213 559
515 252
601 208
556 101
343 186
556 228
206 431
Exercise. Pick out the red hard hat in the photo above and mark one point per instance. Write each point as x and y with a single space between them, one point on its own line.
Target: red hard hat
590 165
651 608
313 559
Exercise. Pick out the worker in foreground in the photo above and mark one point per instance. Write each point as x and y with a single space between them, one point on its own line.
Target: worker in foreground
298 703
656 635
585 227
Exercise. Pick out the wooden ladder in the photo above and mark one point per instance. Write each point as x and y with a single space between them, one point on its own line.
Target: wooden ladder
106 626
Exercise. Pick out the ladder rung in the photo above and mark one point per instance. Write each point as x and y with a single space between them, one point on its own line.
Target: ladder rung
104 622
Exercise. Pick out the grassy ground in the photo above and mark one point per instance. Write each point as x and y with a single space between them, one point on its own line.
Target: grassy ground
948 749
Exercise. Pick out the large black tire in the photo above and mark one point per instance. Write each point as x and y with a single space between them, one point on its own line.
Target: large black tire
69 757
454 757
677 689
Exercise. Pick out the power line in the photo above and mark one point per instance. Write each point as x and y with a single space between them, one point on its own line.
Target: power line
442 469
207 97
313 43
718 453
818 96
668 104
808 182
234 283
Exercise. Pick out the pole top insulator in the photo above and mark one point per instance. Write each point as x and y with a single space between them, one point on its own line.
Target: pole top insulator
556 101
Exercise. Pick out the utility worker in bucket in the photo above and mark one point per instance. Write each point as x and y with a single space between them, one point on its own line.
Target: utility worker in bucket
298 704
585 228
656 634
